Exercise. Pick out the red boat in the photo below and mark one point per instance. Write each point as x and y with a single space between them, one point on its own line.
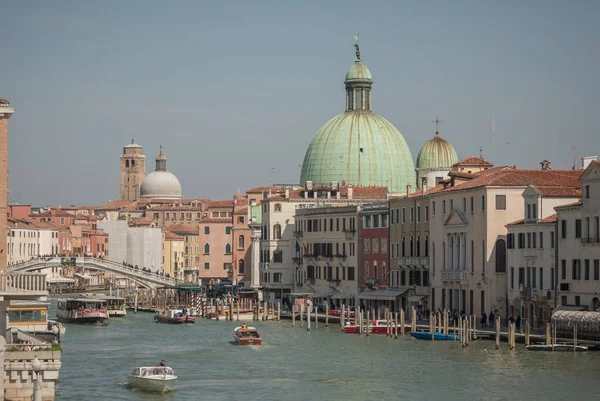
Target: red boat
173 316
246 336
376 327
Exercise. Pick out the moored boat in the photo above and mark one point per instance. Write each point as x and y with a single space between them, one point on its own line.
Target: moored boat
557 347
376 327
173 316
155 378
115 306
437 336
246 335
81 310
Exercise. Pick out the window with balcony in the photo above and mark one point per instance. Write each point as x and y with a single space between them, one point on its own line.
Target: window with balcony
375 270
418 246
426 245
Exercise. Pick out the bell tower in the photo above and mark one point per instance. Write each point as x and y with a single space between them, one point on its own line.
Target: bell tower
133 171
5 113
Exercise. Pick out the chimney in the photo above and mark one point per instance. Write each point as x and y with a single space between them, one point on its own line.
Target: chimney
545 165
408 189
350 192
287 193
587 160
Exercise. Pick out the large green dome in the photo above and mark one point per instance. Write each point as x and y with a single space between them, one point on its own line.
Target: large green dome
358 146
436 153
361 148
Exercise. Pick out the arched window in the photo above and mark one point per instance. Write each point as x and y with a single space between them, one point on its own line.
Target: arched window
127 163
418 245
403 246
383 271
241 243
472 256
375 272
207 249
276 231
501 256
186 250
278 207
443 255
412 244
241 266
375 245
366 269
133 163
227 249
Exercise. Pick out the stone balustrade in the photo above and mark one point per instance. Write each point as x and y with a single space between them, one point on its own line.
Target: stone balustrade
19 283
19 377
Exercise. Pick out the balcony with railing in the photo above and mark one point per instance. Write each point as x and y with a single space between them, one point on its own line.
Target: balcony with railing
530 252
372 282
590 241
454 275
350 234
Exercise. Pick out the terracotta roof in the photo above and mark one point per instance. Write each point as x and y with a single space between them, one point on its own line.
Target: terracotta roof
183 228
220 203
140 222
559 192
115 205
176 208
597 162
514 223
508 177
578 203
261 189
473 161
169 235
550 219
462 174
242 210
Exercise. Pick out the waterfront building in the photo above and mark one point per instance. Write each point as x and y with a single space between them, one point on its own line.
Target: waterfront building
359 147
434 161
279 253
467 225
579 244
138 246
133 171
29 239
241 241
191 251
215 241
374 278
326 251
531 253
409 249
173 254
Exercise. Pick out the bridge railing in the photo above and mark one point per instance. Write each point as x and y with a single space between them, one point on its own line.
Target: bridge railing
131 270
22 282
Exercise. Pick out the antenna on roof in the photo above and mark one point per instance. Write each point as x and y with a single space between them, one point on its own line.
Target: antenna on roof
574 160
481 152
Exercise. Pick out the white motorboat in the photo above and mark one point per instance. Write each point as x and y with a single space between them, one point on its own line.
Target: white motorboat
153 378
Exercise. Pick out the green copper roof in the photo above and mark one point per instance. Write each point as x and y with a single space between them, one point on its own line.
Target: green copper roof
357 72
437 153
361 148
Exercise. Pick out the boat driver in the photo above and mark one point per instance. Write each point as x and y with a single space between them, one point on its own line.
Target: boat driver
162 363
244 328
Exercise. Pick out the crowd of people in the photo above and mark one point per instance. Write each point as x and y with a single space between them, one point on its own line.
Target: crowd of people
145 269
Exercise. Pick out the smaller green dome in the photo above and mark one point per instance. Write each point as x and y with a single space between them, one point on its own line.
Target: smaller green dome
359 72
437 153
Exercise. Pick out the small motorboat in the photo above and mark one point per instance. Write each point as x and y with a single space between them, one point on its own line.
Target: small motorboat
437 336
155 378
246 336
557 347
173 316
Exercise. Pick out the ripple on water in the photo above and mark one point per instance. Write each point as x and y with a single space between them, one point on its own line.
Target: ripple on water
324 364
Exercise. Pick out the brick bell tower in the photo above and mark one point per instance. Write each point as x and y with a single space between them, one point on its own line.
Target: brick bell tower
5 113
133 171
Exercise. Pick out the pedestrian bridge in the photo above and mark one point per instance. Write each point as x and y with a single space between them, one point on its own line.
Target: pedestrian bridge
146 279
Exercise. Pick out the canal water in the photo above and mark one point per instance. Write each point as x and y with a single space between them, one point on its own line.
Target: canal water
324 364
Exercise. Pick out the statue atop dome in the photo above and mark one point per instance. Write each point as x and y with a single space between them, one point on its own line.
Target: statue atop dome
357 47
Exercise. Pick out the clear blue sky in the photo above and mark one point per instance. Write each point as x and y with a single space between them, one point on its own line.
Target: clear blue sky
232 89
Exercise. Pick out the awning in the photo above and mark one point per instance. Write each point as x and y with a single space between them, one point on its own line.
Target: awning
84 276
416 298
384 295
56 280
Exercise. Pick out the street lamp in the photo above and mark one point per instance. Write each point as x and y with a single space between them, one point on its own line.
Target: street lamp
36 365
